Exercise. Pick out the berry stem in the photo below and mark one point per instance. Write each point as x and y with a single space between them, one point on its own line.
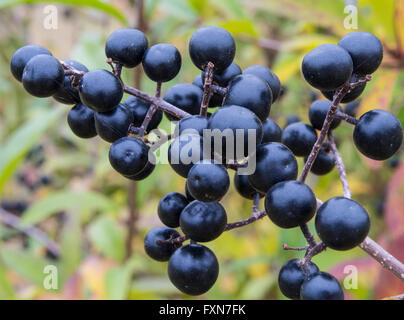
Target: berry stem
256 204
311 252
286 247
207 89
307 234
346 117
150 113
219 90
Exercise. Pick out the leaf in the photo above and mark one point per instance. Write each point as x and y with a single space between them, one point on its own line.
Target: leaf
6 289
117 283
394 214
258 287
95 4
66 200
240 26
22 140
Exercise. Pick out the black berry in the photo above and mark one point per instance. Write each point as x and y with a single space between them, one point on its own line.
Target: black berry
351 108
144 173
139 109
188 195
351 95
244 187
318 112
321 286
160 251
170 207
193 124
226 76
300 138
81 121
272 132
267 75
216 99
324 162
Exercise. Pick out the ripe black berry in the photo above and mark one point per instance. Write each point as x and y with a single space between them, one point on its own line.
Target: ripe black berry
351 95
244 187
212 44
327 67
291 277
144 173
250 92
100 90
342 223
324 162
128 155
208 181
321 286
365 50
43 75
162 62
81 121
378 134
193 124
113 124
267 75
139 109
21 57
300 138
290 204
189 197
291 119
272 132
226 76
66 93
126 46
351 108
170 208
274 163
185 96
160 251
193 269
318 112
203 221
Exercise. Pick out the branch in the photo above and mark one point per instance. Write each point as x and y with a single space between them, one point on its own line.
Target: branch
340 166
346 117
206 89
150 113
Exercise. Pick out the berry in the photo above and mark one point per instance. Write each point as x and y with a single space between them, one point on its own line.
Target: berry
193 124
365 50
267 75
156 251
318 112
43 75
350 96
170 207
100 90
321 286
300 138
244 187
128 155
342 223
272 132
21 57
185 96
274 163
113 124
188 195
291 119
290 204
66 93
81 121
139 109
144 173
291 277
203 221
226 76
162 62
327 67
216 99
324 162
208 181
378 134
250 92
193 269
126 46
212 44
351 108
314 95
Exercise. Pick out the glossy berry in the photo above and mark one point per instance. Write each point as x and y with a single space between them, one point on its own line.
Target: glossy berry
274 163
240 123
203 221
244 187
324 162
208 181
378 134
100 90
272 132
321 286
126 46
162 62
139 109
128 155
170 208
43 75
300 138
291 119
113 124
365 50
81 121
144 173
327 67
290 204
156 251
66 93
350 96
351 108
193 124
216 99
188 195
291 277
342 223
212 44
250 92
193 269
318 112
185 96
21 57
226 76
271 79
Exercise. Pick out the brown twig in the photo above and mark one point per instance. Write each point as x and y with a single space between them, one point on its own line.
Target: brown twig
286 247
206 89
340 166
311 252
150 113
346 117
308 236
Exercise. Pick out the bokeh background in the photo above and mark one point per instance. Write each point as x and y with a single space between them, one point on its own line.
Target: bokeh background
65 187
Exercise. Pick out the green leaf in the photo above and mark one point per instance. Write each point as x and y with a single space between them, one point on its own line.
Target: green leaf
6 289
66 200
117 283
22 140
108 238
95 4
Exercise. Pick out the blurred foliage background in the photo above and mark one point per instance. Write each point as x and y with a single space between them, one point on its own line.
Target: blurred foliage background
64 186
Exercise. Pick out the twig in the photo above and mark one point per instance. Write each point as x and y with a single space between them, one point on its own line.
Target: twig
346 117
311 252
150 113
219 90
307 234
340 166
286 247
256 204
206 89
